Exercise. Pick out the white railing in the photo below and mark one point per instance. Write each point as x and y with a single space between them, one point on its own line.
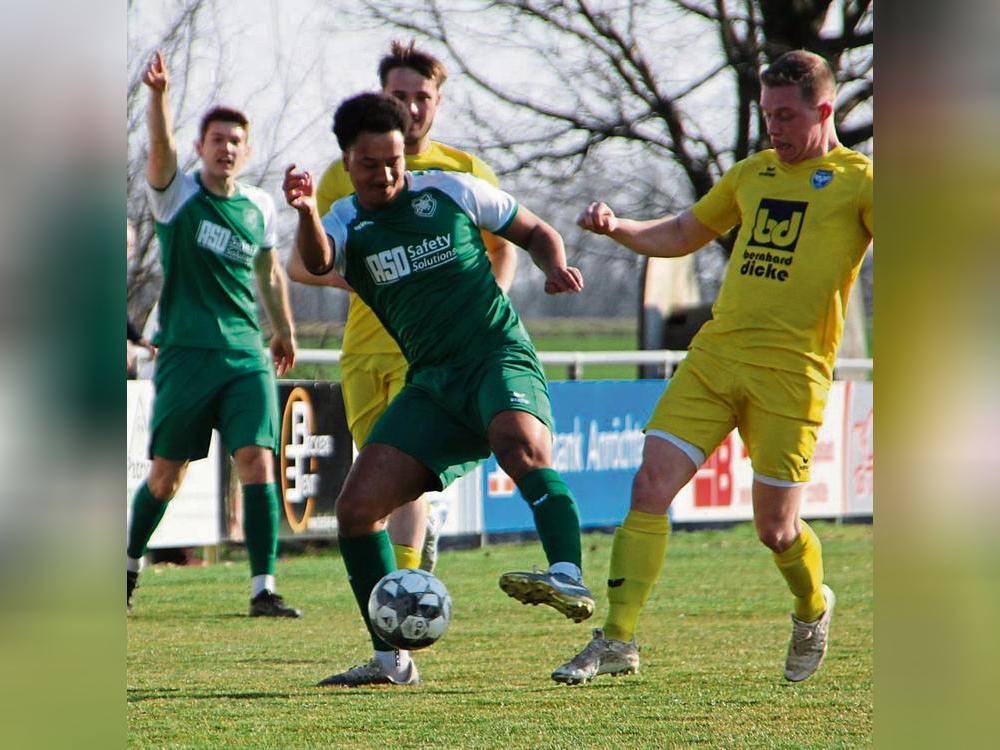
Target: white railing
575 361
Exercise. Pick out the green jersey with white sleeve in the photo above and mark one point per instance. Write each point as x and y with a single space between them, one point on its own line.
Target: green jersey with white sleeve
421 265
208 247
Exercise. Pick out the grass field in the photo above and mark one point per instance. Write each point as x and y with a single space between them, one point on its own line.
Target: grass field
203 675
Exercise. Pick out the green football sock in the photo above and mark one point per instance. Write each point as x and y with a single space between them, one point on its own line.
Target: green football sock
368 558
146 514
260 526
557 518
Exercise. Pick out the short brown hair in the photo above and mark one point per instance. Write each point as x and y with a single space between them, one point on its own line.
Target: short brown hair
222 114
807 70
403 55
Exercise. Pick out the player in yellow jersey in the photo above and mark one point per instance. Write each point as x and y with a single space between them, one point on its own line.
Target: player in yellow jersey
373 368
763 364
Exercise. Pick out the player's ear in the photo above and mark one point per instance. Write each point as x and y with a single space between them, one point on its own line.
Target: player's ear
825 110
197 147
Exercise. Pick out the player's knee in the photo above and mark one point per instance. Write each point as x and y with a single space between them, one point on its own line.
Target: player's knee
253 465
164 486
777 537
652 489
517 455
354 518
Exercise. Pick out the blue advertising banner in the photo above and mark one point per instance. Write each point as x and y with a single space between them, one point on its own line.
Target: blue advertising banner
597 449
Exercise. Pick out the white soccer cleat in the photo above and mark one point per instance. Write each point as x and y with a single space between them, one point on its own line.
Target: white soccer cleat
600 656
559 591
809 641
372 673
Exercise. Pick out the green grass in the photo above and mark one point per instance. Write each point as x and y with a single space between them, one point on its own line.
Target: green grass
203 675
548 334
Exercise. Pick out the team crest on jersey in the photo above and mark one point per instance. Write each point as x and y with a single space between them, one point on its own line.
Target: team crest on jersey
251 218
821 178
425 205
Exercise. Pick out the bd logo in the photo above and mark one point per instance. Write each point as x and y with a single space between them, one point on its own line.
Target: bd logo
777 224
424 206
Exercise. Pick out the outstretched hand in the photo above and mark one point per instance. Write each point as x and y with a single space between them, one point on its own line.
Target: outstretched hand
567 279
156 75
597 218
299 189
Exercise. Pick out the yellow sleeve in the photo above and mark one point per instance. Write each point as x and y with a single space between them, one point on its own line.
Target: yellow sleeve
333 185
718 209
482 170
868 200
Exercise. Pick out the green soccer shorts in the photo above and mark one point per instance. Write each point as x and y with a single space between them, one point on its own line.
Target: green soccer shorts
200 389
442 415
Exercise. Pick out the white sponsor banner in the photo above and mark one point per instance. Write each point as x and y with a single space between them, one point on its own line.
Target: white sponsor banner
193 518
859 474
721 489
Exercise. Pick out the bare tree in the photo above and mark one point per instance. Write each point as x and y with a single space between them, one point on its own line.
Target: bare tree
197 37
641 102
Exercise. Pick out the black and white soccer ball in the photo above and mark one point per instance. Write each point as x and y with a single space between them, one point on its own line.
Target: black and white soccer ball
409 609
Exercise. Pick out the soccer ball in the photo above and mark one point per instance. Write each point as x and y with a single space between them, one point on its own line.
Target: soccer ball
409 609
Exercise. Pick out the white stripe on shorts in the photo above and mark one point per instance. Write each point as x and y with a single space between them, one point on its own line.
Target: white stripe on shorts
764 479
691 451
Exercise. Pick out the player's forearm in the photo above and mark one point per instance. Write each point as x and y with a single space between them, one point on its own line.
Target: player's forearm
545 246
298 272
311 243
162 162
655 237
279 309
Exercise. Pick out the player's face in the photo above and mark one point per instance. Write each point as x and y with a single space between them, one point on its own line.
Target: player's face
376 164
421 98
794 125
224 149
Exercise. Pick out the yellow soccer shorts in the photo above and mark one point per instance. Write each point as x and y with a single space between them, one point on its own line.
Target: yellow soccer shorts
777 413
369 382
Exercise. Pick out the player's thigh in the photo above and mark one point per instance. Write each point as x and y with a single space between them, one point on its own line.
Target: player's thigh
369 382
780 423
697 406
185 383
512 380
248 412
382 479
417 425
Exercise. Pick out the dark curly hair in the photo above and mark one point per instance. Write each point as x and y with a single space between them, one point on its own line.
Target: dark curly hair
368 113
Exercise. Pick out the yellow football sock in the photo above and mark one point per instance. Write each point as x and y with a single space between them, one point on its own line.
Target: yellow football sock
636 560
406 557
802 566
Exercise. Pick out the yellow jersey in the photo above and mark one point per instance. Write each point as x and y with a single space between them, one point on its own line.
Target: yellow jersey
364 333
804 230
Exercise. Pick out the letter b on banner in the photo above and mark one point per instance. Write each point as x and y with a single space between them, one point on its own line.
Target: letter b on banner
713 483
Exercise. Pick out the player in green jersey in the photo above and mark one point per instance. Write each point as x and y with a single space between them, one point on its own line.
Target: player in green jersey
216 241
410 245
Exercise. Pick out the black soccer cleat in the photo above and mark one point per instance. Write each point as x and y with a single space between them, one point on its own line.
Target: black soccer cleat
131 580
269 604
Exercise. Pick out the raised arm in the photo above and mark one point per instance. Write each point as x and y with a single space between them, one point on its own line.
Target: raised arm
162 162
311 243
666 237
545 245
274 294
